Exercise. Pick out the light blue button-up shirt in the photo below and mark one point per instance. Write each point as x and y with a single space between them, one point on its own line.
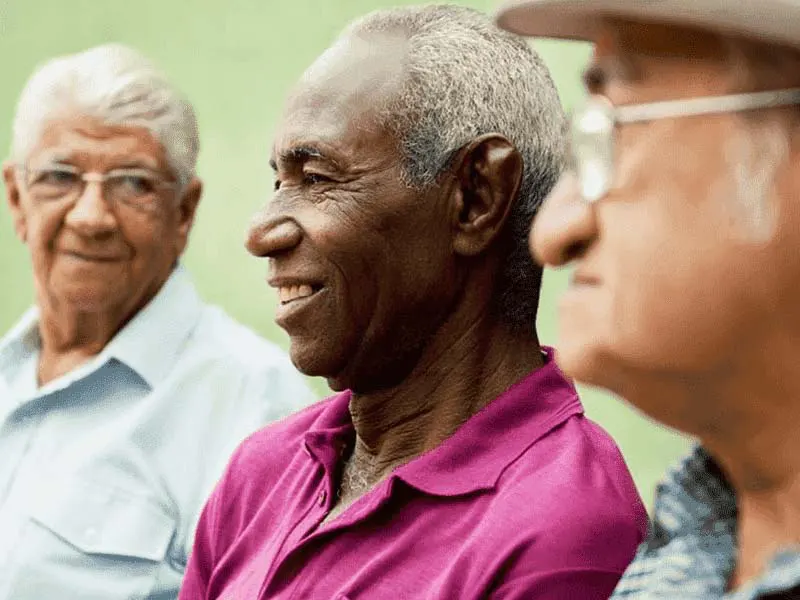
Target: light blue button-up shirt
104 471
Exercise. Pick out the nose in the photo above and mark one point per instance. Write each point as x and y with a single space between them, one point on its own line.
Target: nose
565 226
269 236
91 215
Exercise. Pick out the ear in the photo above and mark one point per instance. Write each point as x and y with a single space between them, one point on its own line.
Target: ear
187 210
487 173
14 201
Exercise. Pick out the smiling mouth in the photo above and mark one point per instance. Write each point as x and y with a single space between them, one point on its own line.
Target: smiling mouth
581 279
293 293
89 258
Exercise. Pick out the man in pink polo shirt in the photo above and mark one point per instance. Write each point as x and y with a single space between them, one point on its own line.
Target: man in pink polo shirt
455 462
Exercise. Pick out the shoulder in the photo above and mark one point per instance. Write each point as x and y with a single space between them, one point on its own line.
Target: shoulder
222 349
225 337
572 493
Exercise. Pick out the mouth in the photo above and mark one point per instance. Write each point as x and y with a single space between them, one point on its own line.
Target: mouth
289 294
295 297
580 279
93 258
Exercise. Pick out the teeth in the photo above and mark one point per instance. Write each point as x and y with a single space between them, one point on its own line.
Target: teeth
294 292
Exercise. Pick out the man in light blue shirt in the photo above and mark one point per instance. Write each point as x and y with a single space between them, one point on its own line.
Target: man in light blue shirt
122 394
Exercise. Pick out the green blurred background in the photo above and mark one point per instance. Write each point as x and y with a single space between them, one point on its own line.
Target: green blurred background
236 59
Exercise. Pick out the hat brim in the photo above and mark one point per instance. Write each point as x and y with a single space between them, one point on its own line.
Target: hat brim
777 21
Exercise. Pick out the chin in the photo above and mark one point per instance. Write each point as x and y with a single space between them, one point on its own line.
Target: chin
88 301
315 360
586 361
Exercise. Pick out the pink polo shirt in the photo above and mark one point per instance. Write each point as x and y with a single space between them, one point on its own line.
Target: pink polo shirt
527 500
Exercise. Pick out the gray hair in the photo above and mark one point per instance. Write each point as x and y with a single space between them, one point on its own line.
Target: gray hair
118 85
465 77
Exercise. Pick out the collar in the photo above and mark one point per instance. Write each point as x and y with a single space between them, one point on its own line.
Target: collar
151 341
148 343
475 456
691 549
694 498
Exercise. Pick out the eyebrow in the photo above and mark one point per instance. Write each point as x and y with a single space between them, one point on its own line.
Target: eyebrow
137 161
301 154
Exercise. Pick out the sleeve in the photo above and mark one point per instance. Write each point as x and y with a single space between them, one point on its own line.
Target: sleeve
261 398
566 584
202 555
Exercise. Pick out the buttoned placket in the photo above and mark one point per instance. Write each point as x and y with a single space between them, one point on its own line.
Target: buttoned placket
310 529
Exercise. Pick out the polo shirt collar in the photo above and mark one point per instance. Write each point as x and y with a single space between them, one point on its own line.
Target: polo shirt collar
475 456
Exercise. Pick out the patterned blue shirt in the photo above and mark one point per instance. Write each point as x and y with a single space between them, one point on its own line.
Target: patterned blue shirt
690 552
104 471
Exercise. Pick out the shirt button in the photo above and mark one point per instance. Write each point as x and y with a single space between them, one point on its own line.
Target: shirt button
321 498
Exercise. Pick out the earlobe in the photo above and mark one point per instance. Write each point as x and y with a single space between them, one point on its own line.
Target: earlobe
488 176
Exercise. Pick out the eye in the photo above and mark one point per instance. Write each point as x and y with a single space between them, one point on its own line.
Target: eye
277 185
136 185
55 177
312 178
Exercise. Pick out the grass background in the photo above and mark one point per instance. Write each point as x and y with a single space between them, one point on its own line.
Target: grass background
236 59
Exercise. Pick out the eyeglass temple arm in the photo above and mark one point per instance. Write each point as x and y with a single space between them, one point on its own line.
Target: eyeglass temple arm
652 111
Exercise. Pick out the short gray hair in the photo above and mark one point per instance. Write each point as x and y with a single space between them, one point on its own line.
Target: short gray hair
465 77
118 85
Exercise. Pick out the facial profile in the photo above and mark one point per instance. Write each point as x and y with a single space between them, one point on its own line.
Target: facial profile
673 266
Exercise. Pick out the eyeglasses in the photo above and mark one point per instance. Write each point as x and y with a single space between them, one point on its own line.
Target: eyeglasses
137 188
592 128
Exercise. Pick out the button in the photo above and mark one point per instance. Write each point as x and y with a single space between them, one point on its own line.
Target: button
323 495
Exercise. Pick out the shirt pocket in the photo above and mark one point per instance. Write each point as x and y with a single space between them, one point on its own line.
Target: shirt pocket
89 541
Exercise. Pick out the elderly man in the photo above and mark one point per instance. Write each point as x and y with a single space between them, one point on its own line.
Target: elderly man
456 461
682 219
122 394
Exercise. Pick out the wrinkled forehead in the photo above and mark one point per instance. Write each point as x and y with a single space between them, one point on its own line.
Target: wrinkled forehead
342 96
82 139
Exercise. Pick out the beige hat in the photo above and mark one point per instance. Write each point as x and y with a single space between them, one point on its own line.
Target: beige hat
774 20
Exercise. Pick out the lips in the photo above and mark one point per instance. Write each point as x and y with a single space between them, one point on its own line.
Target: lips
296 296
580 278
291 293
89 257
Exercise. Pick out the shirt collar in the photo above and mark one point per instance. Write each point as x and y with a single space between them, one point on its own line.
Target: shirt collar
692 545
148 343
471 459
151 341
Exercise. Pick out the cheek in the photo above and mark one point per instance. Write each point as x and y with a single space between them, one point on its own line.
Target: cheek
680 293
151 240
42 227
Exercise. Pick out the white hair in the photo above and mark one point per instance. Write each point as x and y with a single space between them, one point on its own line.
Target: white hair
465 77
118 85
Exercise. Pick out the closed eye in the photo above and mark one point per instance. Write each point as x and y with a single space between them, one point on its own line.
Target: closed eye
312 178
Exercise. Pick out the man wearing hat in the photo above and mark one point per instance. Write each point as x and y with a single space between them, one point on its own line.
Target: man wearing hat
681 218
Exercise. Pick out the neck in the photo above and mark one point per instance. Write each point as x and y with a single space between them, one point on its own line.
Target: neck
70 337
460 372
746 417
759 451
